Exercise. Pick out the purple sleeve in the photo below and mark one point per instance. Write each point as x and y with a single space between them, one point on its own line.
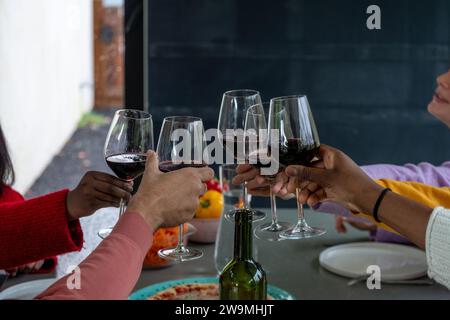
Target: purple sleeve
426 173
438 176
381 235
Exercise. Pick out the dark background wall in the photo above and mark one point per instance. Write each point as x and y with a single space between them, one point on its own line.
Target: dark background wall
368 89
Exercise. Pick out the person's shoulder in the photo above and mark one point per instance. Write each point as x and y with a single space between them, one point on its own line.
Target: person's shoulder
8 194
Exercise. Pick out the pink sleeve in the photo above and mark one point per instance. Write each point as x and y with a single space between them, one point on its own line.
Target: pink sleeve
112 270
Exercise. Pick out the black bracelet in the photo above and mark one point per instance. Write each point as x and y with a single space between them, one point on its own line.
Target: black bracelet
378 203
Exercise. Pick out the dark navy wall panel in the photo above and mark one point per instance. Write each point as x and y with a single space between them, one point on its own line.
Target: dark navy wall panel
368 89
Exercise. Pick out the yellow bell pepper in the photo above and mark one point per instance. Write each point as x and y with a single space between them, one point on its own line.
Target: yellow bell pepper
210 205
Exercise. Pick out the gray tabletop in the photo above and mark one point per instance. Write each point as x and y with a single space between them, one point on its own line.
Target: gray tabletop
294 267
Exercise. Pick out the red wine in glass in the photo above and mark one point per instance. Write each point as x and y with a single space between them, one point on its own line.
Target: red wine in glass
127 166
296 152
260 158
169 166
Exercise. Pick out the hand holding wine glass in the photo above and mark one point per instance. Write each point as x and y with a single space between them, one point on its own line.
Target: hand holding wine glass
335 177
259 185
298 145
129 139
260 155
96 190
155 198
181 145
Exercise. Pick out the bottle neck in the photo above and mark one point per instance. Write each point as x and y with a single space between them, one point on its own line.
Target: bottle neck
243 237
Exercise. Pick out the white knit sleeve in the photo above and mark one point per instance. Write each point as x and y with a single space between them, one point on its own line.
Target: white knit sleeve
438 246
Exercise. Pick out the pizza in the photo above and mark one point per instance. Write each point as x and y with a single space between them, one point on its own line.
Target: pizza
190 291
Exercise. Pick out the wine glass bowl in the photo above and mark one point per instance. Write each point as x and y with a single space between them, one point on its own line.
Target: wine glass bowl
181 144
258 154
232 119
129 138
298 144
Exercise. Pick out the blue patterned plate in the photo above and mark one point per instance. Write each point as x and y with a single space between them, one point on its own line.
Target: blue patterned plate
143 294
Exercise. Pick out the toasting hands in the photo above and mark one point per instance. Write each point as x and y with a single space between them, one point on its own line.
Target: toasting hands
334 177
97 190
169 199
259 185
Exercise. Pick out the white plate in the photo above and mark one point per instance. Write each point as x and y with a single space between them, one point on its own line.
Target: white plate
27 290
396 262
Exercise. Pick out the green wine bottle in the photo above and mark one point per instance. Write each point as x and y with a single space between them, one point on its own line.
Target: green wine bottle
243 278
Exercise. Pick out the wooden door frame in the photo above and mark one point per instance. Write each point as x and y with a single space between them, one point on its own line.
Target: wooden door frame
107 95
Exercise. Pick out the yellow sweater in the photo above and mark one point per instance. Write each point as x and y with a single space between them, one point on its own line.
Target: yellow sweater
422 193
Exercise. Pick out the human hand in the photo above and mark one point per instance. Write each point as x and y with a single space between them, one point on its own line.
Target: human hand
169 199
97 190
334 177
258 185
340 222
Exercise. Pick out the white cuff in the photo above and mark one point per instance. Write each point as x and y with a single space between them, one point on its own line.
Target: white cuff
438 246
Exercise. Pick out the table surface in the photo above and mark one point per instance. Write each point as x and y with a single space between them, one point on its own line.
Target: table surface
294 267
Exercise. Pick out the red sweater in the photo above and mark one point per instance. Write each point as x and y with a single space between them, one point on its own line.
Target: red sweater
33 230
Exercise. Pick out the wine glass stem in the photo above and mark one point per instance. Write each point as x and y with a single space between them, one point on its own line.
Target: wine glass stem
180 246
246 200
273 205
122 207
301 222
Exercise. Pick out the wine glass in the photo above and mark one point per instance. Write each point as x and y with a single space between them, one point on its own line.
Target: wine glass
298 145
130 137
259 155
232 116
181 144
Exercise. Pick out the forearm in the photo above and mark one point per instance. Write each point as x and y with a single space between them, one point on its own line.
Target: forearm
405 216
112 270
44 222
429 196
377 171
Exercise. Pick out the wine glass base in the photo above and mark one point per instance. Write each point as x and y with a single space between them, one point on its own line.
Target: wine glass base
271 232
104 233
302 232
257 215
180 254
